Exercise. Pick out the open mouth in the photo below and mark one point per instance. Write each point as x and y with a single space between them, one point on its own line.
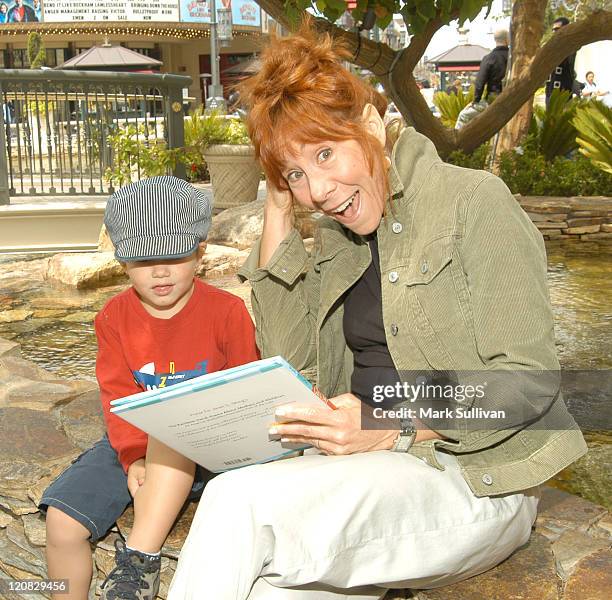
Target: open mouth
345 207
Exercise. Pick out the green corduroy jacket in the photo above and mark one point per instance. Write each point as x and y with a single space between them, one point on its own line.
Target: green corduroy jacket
464 287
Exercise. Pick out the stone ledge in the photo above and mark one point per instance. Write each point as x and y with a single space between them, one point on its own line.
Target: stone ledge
570 219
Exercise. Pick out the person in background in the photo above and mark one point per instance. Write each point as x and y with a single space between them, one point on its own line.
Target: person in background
562 78
492 68
37 5
591 90
3 12
455 88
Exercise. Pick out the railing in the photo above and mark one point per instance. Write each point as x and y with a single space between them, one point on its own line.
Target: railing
58 126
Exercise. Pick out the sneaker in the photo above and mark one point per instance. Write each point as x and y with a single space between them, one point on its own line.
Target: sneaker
135 576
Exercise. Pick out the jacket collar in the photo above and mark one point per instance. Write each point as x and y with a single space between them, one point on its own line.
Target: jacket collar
412 158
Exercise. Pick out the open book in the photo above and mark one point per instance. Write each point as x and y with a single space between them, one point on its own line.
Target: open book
221 420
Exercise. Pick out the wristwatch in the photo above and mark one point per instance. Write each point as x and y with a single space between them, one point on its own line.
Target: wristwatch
405 438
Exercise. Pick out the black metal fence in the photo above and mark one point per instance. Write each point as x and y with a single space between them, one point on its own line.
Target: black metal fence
63 129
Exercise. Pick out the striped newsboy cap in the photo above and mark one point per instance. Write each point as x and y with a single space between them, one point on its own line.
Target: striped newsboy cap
157 218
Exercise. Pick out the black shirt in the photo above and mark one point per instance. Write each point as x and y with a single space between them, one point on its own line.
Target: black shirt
365 332
492 72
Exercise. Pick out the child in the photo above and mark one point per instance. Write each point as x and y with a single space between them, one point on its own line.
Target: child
167 327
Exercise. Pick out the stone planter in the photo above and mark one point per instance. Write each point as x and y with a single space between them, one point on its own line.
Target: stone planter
234 174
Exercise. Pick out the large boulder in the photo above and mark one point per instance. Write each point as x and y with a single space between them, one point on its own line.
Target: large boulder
85 269
238 227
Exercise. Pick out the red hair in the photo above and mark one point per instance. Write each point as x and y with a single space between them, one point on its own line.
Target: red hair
302 94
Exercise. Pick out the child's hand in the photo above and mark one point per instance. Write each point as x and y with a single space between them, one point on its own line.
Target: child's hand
136 475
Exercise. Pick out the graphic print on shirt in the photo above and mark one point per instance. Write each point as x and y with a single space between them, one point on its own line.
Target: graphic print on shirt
147 379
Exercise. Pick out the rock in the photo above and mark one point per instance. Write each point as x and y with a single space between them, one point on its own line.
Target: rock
17 506
572 547
13 367
17 314
528 574
85 270
565 511
606 228
48 313
535 217
36 395
544 204
592 578
221 260
596 237
583 229
582 221
587 213
80 317
61 302
33 450
8 348
34 529
603 528
82 420
16 551
238 227
547 225
28 326
5 519
104 241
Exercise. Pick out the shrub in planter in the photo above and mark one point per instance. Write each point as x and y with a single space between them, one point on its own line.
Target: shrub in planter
223 145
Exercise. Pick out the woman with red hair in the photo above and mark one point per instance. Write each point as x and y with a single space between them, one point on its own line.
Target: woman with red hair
419 269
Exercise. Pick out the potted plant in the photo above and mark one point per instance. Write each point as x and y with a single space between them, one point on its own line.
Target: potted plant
224 145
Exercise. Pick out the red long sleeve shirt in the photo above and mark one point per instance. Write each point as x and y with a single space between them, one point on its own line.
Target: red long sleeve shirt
137 351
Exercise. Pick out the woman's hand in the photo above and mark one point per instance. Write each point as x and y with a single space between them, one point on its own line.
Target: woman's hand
278 200
136 476
279 218
331 431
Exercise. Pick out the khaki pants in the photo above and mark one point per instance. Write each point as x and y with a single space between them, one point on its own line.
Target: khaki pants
333 527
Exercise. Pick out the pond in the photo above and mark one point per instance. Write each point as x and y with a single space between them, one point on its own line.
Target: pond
56 331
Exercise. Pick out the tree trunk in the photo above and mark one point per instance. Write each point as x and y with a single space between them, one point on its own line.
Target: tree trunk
527 31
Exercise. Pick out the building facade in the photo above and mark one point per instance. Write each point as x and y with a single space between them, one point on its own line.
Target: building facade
176 32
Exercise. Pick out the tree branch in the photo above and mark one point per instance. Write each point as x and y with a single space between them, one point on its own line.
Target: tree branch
367 54
596 27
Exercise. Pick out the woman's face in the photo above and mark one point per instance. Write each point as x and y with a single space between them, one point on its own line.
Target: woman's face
333 177
590 77
3 8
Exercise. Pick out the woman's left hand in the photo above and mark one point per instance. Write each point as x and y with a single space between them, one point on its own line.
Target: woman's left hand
331 431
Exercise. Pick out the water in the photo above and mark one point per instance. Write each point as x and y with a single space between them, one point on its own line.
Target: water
58 334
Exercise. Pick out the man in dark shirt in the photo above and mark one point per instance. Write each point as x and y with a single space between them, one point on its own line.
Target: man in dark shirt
562 78
493 67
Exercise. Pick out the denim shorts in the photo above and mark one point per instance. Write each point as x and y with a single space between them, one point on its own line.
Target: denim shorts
93 489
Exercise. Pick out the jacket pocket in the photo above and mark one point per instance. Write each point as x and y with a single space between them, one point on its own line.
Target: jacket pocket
435 305
433 258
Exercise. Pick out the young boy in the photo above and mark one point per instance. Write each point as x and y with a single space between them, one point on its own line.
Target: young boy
167 327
